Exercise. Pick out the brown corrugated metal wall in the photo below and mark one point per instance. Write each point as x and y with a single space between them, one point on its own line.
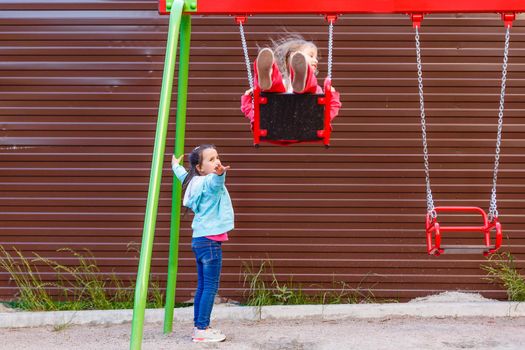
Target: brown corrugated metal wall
79 88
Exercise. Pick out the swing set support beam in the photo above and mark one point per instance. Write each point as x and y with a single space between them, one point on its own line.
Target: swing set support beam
178 23
253 7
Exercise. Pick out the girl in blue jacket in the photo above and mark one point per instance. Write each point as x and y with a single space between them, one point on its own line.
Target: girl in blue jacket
206 195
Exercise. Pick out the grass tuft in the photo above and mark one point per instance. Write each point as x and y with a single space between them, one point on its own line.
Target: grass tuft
79 287
501 269
263 288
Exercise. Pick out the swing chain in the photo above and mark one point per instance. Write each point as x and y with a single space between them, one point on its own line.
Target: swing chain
430 200
246 56
330 48
493 211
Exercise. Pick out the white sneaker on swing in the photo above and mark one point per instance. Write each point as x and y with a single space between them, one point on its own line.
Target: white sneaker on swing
264 68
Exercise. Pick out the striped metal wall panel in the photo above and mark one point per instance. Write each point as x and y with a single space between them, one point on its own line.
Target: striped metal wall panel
79 87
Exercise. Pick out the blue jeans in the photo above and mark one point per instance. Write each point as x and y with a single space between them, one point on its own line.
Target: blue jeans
208 255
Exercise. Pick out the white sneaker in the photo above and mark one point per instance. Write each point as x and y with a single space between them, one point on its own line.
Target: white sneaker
299 68
265 60
215 331
208 336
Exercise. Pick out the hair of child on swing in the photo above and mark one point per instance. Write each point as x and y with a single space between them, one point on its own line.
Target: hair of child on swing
284 48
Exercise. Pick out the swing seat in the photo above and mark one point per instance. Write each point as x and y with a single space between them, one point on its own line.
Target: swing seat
286 118
434 247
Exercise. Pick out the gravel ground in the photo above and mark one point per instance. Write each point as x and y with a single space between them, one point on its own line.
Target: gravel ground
311 333
314 333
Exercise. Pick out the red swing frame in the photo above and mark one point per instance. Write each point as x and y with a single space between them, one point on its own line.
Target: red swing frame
252 7
416 9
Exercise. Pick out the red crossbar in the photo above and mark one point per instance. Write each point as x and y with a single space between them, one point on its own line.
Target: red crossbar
251 7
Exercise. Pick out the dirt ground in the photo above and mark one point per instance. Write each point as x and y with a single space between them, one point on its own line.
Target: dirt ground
363 334
392 333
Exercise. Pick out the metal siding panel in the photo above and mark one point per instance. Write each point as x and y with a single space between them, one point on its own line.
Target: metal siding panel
79 91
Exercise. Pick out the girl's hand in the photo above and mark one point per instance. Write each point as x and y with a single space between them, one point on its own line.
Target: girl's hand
248 92
220 169
176 161
332 89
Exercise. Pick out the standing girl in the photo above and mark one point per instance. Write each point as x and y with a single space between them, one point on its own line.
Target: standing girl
206 195
290 66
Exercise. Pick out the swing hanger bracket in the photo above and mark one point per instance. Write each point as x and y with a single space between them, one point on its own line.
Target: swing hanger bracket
241 19
331 18
416 18
508 18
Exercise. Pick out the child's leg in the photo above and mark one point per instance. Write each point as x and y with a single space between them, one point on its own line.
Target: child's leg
200 285
267 74
211 271
303 76
198 293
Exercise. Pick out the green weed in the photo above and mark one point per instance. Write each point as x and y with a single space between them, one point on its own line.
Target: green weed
501 269
261 290
79 287
33 294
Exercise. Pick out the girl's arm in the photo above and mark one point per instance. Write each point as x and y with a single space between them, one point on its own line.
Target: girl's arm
217 179
178 169
247 105
335 104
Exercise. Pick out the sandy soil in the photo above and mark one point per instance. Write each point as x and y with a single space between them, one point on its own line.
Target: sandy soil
451 297
374 334
392 333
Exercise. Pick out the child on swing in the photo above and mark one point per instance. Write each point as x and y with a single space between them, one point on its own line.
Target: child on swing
206 195
291 66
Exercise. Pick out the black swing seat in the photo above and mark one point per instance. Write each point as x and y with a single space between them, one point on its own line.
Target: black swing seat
287 116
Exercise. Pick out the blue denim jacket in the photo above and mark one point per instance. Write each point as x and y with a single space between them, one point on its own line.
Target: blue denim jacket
209 199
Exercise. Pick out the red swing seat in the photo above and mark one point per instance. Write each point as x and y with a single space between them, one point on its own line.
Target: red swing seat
434 247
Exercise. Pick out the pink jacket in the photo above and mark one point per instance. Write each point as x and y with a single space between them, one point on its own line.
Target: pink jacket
247 107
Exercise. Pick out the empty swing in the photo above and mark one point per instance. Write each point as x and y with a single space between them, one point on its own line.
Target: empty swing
287 118
490 222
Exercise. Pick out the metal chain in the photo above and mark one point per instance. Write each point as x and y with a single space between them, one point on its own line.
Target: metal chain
246 56
493 211
330 48
430 201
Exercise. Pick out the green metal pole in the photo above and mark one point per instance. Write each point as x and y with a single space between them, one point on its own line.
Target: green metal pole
182 97
141 289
